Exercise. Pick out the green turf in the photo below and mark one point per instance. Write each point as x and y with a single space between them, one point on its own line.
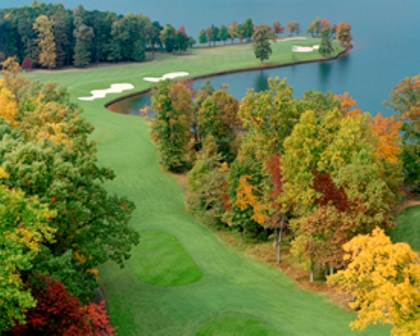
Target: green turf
408 227
232 284
162 261
236 326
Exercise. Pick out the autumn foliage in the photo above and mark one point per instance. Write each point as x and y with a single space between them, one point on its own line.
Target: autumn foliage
58 313
384 278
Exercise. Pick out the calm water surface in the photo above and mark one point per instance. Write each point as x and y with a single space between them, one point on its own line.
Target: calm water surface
386 40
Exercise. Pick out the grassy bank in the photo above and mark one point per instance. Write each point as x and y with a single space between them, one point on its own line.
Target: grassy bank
224 291
197 62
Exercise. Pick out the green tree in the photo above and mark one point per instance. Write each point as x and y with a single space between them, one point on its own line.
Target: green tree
261 42
44 28
153 32
218 117
202 37
326 47
120 36
83 36
405 98
62 35
314 27
224 33
248 29
181 40
24 224
167 36
206 184
171 129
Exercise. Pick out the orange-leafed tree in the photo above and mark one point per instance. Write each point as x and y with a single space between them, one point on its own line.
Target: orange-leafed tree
384 278
387 130
347 102
343 34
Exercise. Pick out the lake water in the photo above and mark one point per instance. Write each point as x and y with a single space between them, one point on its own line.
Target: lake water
386 40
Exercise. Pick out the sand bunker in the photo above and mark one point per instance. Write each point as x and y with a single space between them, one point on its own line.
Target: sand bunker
115 88
305 49
170 75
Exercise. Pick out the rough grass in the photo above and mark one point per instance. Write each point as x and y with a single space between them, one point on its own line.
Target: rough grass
408 228
162 261
232 284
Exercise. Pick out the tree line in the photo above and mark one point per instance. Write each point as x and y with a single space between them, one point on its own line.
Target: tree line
316 170
57 221
48 35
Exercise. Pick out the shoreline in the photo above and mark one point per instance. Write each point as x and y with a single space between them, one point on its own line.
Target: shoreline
229 72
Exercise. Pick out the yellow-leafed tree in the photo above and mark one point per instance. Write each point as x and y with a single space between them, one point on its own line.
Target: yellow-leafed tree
385 280
44 28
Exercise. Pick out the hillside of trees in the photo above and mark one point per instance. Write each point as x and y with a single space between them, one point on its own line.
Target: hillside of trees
57 221
316 170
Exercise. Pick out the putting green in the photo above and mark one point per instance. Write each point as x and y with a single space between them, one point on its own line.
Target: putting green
160 260
236 326
230 283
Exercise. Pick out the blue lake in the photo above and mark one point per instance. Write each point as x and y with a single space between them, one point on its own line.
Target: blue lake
386 40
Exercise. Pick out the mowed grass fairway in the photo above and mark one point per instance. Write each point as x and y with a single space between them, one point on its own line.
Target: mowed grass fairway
224 292
408 228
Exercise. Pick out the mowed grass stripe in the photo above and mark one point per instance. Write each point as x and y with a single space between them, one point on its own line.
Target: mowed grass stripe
408 228
160 260
232 284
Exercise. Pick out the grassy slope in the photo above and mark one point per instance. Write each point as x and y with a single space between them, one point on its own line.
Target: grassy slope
232 285
408 227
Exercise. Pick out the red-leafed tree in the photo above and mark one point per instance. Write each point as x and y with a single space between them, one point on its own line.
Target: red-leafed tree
27 63
329 192
58 313
98 319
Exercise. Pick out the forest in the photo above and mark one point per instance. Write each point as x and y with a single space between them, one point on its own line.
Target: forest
50 36
315 170
314 173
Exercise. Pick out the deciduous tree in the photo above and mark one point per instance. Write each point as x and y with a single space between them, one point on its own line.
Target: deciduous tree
24 225
171 129
405 100
343 34
44 28
293 27
278 28
83 36
261 42
384 278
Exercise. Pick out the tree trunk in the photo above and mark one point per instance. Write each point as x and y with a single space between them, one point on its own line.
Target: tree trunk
331 269
279 236
326 269
311 275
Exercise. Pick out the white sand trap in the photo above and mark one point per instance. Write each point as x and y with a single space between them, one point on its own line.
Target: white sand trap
170 75
305 49
293 38
115 88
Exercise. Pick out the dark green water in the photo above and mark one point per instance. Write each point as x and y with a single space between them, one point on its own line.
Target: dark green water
386 40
